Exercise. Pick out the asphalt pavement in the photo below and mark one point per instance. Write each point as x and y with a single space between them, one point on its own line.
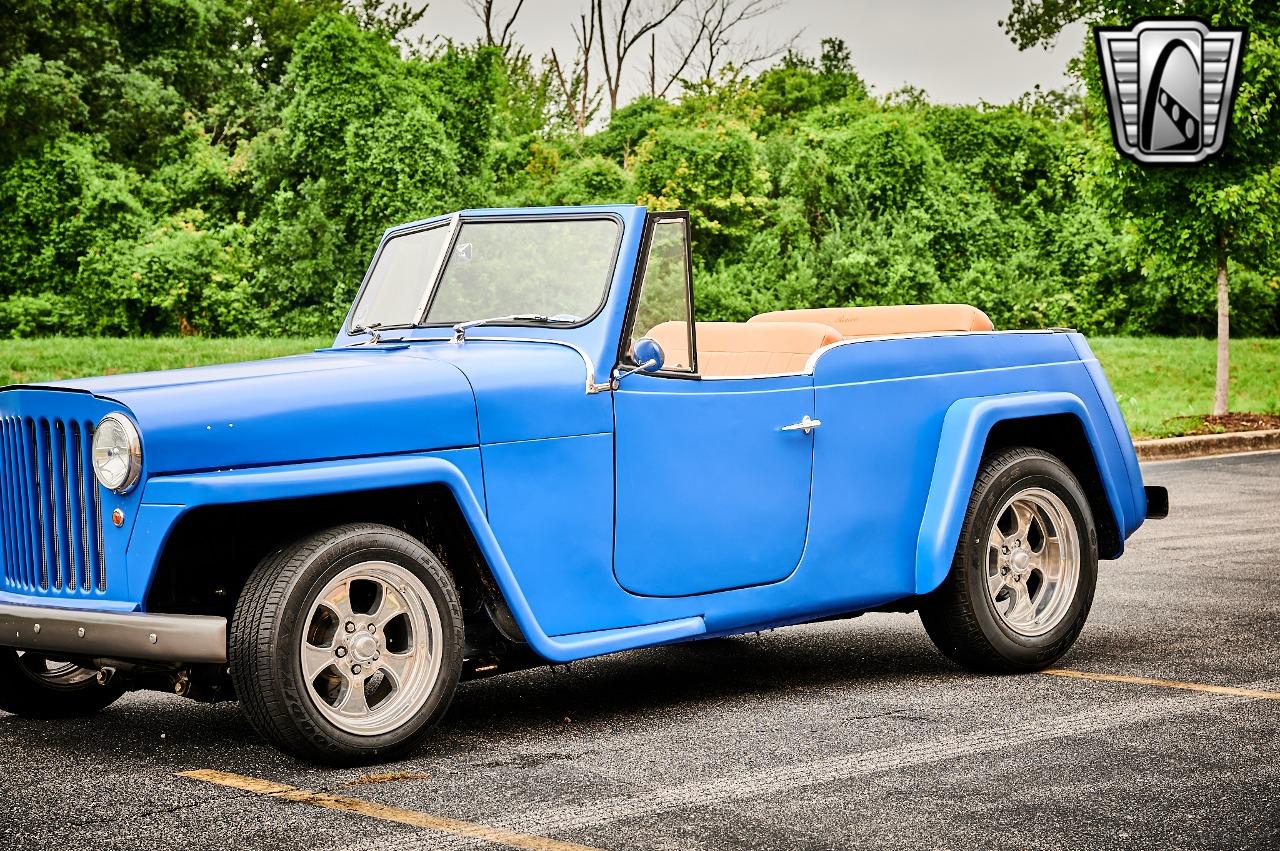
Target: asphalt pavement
846 734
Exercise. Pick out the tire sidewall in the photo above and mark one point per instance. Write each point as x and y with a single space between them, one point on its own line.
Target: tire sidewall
1030 472
301 594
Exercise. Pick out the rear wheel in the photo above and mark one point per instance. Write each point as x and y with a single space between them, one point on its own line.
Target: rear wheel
1022 580
347 646
34 686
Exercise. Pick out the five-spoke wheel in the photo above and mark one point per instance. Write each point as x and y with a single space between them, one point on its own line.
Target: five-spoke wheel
1022 579
347 646
1033 561
371 647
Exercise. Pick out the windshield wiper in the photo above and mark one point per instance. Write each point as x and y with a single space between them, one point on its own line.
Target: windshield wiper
371 329
460 329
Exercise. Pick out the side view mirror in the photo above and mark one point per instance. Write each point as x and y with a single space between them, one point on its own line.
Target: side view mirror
648 356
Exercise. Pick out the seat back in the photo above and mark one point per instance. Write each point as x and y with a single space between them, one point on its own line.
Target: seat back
855 322
735 349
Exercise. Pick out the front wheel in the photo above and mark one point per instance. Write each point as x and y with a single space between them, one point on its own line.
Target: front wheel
347 646
1025 568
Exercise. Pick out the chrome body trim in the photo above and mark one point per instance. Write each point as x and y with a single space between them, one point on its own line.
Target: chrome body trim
117 635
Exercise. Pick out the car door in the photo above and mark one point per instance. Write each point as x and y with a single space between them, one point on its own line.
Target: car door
712 489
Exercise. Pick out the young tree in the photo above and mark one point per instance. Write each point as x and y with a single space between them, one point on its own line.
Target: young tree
1221 213
580 100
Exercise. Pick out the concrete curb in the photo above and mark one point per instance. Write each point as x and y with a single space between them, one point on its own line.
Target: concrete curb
1199 445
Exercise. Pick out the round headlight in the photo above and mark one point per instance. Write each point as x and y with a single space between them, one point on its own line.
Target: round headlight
117 453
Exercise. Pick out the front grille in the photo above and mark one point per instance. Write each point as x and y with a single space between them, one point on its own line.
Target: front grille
51 531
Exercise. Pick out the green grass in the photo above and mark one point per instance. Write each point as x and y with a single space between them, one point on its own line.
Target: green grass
53 358
1164 384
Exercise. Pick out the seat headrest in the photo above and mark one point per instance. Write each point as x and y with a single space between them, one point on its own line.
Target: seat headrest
737 349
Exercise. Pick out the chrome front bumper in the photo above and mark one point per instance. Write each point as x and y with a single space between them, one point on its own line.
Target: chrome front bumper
115 635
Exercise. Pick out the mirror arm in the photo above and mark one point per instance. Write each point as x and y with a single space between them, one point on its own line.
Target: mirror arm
621 374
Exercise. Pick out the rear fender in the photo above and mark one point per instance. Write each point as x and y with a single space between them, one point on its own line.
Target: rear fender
965 429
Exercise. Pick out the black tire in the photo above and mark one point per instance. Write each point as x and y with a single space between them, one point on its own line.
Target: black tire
267 629
961 616
30 688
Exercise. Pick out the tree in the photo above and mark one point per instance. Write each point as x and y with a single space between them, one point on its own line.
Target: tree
1217 214
501 36
626 24
714 38
580 100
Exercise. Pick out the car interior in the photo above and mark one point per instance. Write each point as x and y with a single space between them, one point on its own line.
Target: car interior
781 341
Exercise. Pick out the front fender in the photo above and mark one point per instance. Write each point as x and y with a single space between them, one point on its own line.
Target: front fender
965 428
167 498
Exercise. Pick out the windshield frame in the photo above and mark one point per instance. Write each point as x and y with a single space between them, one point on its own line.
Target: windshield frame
455 225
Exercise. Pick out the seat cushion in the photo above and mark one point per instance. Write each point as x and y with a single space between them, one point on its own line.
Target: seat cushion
887 321
737 348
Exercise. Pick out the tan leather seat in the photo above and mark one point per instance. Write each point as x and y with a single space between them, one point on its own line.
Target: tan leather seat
887 321
728 349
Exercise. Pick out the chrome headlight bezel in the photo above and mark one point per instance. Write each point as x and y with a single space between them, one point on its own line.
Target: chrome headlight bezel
131 447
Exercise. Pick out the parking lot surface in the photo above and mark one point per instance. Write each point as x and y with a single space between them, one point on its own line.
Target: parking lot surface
845 734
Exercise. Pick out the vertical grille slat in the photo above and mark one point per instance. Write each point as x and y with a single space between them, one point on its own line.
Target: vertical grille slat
51 537
14 468
94 509
36 453
80 524
14 569
27 510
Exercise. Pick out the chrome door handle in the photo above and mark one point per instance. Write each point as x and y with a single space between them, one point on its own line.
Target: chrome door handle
806 425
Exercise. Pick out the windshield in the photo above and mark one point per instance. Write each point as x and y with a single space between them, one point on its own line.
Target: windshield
557 269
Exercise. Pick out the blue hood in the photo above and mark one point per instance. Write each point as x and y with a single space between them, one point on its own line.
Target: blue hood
328 404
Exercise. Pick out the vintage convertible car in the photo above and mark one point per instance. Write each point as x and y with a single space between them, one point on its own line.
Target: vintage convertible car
520 449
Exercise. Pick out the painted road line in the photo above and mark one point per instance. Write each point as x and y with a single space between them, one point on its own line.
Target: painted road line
777 781
454 827
1148 681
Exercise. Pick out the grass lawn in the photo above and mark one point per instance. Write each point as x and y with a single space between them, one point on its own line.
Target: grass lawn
1164 385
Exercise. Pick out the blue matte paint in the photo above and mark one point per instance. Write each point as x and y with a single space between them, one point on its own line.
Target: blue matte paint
666 510
712 494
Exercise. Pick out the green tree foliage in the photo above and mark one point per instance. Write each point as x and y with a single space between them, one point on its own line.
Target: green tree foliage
1208 218
225 167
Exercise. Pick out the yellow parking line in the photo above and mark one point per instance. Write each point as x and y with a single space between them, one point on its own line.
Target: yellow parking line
1148 681
486 833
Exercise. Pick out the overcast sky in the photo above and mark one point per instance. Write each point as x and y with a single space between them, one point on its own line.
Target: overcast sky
953 49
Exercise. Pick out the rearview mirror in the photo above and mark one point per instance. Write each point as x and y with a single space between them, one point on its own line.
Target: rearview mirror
648 357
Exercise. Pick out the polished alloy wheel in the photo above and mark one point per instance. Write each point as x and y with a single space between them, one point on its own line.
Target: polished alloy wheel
1033 562
371 648
53 674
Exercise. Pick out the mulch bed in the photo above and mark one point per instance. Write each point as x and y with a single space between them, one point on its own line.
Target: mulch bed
1237 422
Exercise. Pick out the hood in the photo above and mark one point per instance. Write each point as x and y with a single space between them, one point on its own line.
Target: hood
324 405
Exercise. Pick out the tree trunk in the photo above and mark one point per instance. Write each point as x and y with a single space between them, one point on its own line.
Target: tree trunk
1223 381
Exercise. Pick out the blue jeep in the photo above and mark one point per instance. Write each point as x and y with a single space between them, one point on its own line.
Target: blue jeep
520 449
